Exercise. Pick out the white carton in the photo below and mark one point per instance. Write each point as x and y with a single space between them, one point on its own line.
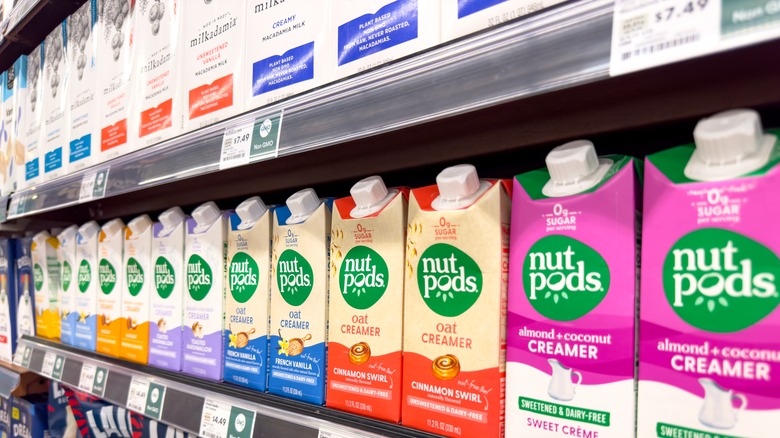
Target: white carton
46 281
7 142
55 103
32 120
17 165
66 259
369 33
134 343
111 278
86 309
287 50
462 17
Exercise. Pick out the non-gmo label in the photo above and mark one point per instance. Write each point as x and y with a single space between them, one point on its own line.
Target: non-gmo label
363 277
450 281
394 24
199 277
243 274
294 277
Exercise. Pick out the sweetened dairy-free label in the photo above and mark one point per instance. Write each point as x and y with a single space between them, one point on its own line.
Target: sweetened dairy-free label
165 331
393 24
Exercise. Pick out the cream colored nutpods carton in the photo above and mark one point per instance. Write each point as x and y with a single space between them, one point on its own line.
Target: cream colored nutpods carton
32 121
110 283
462 17
56 107
66 258
134 342
86 310
46 283
167 295
455 305
365 313
204 301
299 297
247 301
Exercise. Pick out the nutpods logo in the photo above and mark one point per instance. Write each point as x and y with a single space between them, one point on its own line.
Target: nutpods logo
450 281
67 275
363 277
106 276
199 277
85 276
721 281
164 277
563 278
37 277
135 276
242 276
294 277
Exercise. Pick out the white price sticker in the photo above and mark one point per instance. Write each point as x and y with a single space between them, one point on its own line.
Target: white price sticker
20 353
48 363
136 396
87 377
236 145
214 420
93 185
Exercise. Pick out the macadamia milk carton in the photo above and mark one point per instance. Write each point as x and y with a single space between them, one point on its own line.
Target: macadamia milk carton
17 164
299 297
7 301
213 37
56 104
457 257
709 363
167 295
66 259
247 301
32 120
462 17
287 49
9 153
572 296
204 301
368 236
25 298
86 309
46 281
134 342
111 282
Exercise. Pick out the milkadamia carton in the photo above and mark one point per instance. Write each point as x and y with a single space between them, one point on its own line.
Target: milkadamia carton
455 305
709 363
32 120
56 103
66 259
462 17
111 280
86 309
247 300
17 165
134 341
167 296
7 301
299 297
572 296
46 280
25 298
8 148
365 313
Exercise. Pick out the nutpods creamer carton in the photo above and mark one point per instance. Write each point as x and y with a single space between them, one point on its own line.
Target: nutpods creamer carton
66 258
167 296
46 281
111 281
134 341
247 300
56 105
709 363
25 298
365 313
462 17
86 308
572 296
7 301
299 297
32 120
204 301
455 305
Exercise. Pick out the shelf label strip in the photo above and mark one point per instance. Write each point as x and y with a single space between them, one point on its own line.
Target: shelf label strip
220 419
254 141
93 185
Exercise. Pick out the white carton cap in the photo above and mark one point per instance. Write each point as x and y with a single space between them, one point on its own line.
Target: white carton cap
55 231
112 227
170 219
205 215
302 204
41 237
729 144
67 234
89 230
574 167
250 211
370 195
459 186
139 225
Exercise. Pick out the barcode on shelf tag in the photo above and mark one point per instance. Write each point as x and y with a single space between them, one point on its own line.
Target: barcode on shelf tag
235 146
136 396
328 432
87 377
220 419
48 364
93 185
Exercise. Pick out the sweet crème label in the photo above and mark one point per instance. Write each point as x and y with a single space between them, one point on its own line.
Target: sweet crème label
136 296
109 296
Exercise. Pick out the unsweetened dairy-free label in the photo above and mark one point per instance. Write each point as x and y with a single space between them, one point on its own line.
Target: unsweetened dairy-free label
393 24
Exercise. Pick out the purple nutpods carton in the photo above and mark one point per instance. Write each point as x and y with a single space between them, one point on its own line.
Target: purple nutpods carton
709 346
571 357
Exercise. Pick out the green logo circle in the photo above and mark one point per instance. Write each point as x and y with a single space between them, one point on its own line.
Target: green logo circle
164 277
720 281
199 277
67 275
106 276
37 277
563 278
450 281
85 276
135 276
294 277
242 277
363 277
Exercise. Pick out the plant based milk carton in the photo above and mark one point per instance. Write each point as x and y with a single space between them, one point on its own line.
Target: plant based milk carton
110 275
213 37
86 309
156 103
287 49
709 363
248 298
32 120
115 48
370 33
7 301
204 302
299 297
25 298
455 305
66 259
46 280
368 234
134 342
167 296
56 103
572 296
17 164
9 153
462 17
83 77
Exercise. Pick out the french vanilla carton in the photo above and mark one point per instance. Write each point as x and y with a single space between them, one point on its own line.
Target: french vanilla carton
111 279
455 305
156 105
46 281
86 312
369 33
247 300
213 52
204 301
16 170
134 340
115 47
708 349
66 260
25 297
56 103
462 17
167 296
368 237
83 95
299 297
287 49
32 120
572 296
7 301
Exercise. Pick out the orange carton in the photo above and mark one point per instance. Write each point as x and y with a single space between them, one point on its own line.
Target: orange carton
109 295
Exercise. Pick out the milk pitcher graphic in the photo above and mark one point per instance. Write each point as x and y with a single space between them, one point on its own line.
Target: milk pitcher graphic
718 409
561 386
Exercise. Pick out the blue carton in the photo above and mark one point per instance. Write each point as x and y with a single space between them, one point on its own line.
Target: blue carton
25 298
29 417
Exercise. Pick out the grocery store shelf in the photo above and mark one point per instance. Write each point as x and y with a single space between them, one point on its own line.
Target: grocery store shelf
183 398
18 381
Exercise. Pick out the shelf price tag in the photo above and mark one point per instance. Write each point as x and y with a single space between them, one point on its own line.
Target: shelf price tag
136 396
23 355
93 185
254 141
220 419
87 378
327 432
16 206
235 146
48 364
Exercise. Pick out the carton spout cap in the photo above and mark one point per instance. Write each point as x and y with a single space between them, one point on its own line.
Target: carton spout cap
459 186
139 225
171 218
112 227
574 168
68 234
41 237
370 195
206 214
89 230
302 204
250 211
